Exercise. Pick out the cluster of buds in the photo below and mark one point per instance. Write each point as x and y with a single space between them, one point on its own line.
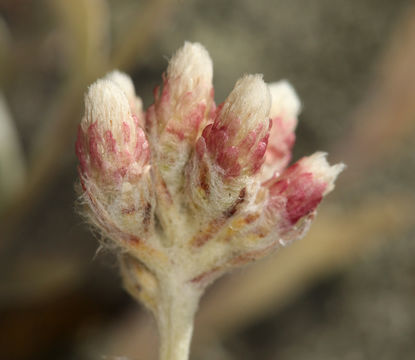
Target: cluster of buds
189 190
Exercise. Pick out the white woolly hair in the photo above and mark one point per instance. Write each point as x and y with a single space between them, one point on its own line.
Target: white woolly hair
250 101
126 84
285 101
123 81
107 104
318 165
192 65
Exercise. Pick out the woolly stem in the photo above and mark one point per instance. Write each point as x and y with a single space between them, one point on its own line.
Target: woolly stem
175 316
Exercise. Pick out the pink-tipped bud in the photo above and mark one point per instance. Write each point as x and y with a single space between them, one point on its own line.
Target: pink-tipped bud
302 186
285 107
285 102
189 70
238 138
110 144
126 85
187 96
184 107
113 153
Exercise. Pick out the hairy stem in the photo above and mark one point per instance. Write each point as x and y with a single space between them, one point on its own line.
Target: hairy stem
175 319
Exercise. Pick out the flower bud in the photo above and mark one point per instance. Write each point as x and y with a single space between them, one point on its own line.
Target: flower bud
184 106
285 102
231 150
238 138
298 191
187 96
126 85
285 107
190 70
114 154
110 143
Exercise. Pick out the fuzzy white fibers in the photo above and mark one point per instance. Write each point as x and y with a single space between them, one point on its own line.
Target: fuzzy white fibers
318 165
285 101
250 102
191 67
107 104
126 85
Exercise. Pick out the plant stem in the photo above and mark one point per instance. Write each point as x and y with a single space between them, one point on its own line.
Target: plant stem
175 319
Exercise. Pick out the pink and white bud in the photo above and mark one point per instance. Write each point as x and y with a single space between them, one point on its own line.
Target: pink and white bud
238 138
190 70
184 106
113 153
285 102
126 85
111 146
187 96
285 107
231 150
298 191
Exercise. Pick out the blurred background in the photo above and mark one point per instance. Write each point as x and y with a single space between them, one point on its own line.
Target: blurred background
346 291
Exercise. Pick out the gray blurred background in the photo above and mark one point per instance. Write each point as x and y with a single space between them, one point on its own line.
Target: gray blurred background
346 291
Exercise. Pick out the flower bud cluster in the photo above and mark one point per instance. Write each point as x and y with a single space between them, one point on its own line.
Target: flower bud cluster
188 190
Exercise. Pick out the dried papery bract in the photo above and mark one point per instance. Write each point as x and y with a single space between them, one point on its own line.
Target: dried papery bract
186 196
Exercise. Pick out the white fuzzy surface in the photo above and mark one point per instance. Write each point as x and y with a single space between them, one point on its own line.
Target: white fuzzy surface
285 101
123 81
107 104
126 84
191 66
285 108
318 165
188 87
250 102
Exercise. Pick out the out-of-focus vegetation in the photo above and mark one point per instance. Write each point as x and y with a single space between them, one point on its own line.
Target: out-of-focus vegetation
346 291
